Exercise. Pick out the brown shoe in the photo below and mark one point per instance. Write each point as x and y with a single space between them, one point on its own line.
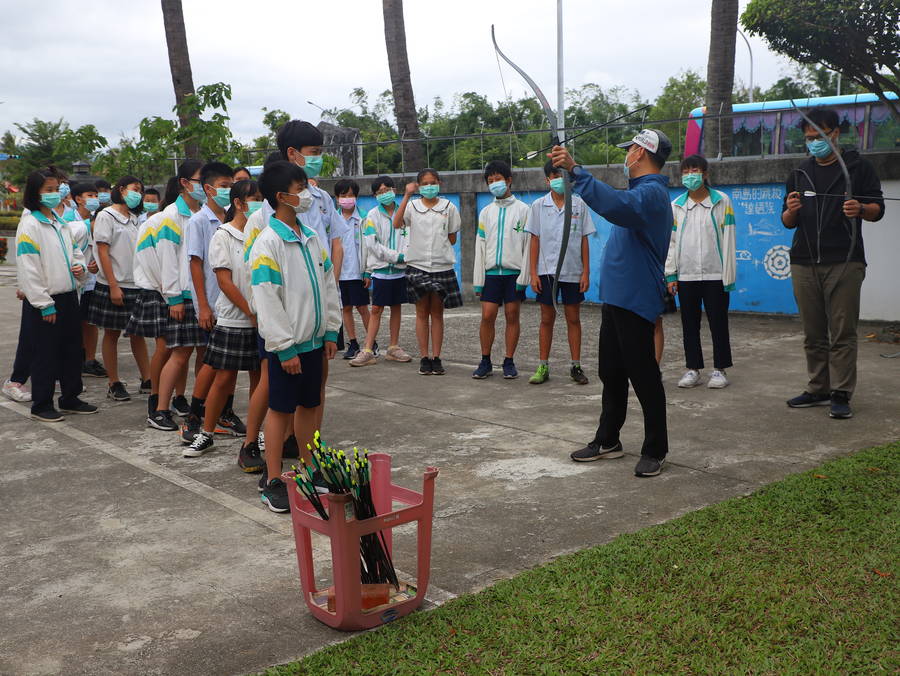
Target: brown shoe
397 353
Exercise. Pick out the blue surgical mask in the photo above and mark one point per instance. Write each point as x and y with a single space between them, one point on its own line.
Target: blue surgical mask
197 192
386 198
818 148
498 188
430 191
558 185
252 208
312 165
50 199
626 169
223 197
64 190
692 181
104 197
151 206
132 199
92 204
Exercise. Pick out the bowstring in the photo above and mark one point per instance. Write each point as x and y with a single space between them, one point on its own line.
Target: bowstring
512 124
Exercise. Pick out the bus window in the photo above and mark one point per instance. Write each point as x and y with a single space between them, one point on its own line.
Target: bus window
884 130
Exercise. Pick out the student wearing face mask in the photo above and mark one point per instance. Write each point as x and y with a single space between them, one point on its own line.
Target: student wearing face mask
115 235
298 313
828 264
501 271
433 223
49 264
86 205
631 277
385 271
354 289
701 269
104 193
216 179
151 203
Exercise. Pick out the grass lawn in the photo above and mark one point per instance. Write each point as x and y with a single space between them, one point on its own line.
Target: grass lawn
798 578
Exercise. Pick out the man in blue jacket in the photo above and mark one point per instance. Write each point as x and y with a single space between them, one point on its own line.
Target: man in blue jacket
631 277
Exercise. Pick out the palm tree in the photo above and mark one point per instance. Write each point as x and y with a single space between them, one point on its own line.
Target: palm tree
179 63
717 134
404 103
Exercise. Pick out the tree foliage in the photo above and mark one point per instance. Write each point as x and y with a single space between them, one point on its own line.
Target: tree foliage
857 38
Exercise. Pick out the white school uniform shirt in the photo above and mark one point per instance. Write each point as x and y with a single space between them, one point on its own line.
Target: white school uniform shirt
226 251
324 217
200 229
385 245
546 221
45 254
702 247
354 247
81 232
429 227
120 232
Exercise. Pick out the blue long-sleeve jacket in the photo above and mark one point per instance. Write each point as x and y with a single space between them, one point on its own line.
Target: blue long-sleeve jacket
631 275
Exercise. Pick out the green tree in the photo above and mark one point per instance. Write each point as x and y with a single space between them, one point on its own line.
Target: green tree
857 38
45 142
681 94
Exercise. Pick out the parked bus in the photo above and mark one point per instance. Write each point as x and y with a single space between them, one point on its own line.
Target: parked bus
770 127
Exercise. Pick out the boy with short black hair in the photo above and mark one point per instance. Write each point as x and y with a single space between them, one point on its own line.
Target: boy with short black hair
546 227
298 314
104 193
151 203
501 266
354 289
86 204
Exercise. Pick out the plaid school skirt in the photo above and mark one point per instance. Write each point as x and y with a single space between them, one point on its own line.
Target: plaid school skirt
187 332
149 317
104 314
232 349
420 283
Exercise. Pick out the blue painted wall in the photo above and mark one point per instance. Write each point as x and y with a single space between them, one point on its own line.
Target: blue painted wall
763 269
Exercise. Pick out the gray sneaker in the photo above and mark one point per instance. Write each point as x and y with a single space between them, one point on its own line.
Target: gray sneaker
648 466
364 358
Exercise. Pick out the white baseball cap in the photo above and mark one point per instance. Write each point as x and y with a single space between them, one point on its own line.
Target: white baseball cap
653 140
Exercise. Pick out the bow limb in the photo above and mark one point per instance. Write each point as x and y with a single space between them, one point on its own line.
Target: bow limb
848 194
554 131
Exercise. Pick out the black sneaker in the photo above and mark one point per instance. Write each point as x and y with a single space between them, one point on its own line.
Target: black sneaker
78 407
202 443
93 368
230 424
190 429
146 387
162 420
48 415
117 392
840 405
578 375
375 348
250 459
425 367
291 448
807 400
595 451
319 483
437 369
352 350
181 406
648 466
484 369
275 497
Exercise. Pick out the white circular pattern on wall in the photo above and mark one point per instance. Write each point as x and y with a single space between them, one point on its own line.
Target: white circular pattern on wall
778 262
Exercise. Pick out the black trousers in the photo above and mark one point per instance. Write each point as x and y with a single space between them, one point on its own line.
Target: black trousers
627 354
24 348
57 349
715 300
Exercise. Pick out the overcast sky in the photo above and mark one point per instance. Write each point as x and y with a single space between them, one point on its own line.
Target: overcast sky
105 61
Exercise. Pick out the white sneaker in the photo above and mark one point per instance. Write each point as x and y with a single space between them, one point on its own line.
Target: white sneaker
717 380
16 391
397 353
364 358
691 378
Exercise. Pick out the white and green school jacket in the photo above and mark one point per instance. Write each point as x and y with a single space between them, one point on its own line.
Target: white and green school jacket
294 291
502 245
45 253
168 241
703 249
385 246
